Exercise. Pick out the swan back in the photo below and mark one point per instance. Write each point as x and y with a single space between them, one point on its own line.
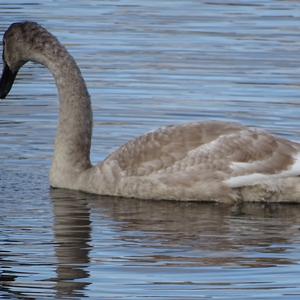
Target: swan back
212 161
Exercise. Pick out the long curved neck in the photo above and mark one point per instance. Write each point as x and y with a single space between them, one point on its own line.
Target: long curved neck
73 140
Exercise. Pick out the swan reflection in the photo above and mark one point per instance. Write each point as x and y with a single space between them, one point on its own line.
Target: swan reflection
101 242
72 230
186 233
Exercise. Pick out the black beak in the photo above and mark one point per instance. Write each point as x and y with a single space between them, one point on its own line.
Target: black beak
7 80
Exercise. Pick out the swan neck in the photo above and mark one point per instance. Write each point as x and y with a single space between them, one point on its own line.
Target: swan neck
73 139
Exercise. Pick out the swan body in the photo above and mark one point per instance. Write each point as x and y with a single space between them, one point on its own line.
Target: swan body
212 161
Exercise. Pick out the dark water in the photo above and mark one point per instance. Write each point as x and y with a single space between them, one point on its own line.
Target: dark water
148 64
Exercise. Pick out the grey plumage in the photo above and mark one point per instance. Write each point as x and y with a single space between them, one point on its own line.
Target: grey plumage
211 161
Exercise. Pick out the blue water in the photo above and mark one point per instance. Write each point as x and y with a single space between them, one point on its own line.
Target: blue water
148 64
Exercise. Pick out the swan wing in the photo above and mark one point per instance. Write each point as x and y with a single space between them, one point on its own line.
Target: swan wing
166 147
214 146
200 160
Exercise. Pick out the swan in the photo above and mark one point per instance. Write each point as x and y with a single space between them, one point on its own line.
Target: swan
201 161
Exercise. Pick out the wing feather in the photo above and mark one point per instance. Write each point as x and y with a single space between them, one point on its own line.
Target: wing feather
204 152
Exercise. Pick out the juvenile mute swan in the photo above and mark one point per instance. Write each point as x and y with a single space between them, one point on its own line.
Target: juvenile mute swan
211 161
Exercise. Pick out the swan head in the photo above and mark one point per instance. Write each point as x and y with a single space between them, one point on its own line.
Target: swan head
17 47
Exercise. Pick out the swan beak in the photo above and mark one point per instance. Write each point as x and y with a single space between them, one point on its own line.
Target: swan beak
7 80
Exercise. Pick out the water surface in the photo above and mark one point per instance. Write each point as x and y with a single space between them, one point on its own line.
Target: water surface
148 64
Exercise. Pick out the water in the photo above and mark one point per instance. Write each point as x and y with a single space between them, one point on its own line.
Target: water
148 64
